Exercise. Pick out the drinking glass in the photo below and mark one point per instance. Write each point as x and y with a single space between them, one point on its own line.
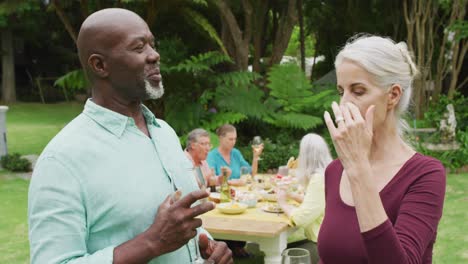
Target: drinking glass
295 256
245 175
256 143
198 259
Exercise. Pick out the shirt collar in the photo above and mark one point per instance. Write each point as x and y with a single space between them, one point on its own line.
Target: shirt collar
112 121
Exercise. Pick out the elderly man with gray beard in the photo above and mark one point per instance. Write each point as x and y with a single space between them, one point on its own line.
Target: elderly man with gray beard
108 188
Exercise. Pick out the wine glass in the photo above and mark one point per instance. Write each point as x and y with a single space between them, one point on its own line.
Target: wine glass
256 143
245 175
295 256
198 259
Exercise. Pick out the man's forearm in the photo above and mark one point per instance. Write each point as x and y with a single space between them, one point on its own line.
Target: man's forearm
136 251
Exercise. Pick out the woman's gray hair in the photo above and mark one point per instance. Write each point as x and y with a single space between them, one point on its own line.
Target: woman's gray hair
387 62
314 157
194 135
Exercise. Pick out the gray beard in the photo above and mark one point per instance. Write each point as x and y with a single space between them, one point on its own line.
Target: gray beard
154 92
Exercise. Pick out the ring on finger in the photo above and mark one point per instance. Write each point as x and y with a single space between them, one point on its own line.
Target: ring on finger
339 119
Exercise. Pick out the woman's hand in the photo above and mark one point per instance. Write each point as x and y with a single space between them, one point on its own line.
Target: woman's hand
257 151
281 195
352 135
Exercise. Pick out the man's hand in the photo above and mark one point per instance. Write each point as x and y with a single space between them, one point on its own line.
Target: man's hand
175 222
214 250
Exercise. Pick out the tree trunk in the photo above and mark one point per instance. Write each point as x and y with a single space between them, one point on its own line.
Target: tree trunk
65 21
239 49
459 47
283 34
151 13
84 8
301 34
315 57
421 26
8 67
259 33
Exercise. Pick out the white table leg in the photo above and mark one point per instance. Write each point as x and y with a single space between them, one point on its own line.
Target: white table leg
273 247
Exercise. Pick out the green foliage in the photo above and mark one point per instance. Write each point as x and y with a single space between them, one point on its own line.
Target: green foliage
15 7
437 109
274 154
292 101
200 63
452 159
73 81
14 162
294 45
461 29
196 18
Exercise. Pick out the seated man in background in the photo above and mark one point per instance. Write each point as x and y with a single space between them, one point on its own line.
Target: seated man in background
198 146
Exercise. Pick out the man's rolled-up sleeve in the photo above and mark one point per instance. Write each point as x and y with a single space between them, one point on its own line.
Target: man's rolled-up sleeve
57 217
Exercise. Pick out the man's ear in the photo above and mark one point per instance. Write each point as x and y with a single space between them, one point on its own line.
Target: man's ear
98 65
394 96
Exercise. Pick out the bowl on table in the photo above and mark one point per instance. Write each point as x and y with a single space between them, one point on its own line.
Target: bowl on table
232 208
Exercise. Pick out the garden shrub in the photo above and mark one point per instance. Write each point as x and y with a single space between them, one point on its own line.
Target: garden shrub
274 154
14 162
452 159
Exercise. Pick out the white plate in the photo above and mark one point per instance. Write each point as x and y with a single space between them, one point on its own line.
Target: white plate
272 209
231 208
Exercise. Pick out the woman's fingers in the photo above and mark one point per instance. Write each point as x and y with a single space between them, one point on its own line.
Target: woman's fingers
338 114
330 125
355 113
348 119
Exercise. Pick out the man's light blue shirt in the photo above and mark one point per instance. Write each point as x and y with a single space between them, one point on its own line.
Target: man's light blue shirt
99 183
216 161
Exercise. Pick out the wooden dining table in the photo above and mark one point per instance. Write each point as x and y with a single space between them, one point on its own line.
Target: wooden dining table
269 230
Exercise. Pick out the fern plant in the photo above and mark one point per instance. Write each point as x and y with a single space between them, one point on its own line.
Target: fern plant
73 81
292 102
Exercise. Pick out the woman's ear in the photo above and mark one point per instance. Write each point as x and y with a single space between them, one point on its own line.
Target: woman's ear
394 95
98 65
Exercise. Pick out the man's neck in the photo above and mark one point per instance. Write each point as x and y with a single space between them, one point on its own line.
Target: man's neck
125 107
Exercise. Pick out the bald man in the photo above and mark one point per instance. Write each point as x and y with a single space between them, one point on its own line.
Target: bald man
112 186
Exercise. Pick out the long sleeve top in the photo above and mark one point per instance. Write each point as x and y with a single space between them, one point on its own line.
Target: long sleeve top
309 214
99 183
216 160
413 201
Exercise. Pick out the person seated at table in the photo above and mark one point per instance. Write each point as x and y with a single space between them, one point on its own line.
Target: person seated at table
314 157
227 155
197 148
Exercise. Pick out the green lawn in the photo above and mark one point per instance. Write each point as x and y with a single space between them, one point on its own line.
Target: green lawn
31 126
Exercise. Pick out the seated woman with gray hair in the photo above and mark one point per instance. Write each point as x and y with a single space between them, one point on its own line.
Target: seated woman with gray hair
314 157
197 148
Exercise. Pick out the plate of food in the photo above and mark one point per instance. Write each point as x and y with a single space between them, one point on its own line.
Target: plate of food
232 208
272 208
269 196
